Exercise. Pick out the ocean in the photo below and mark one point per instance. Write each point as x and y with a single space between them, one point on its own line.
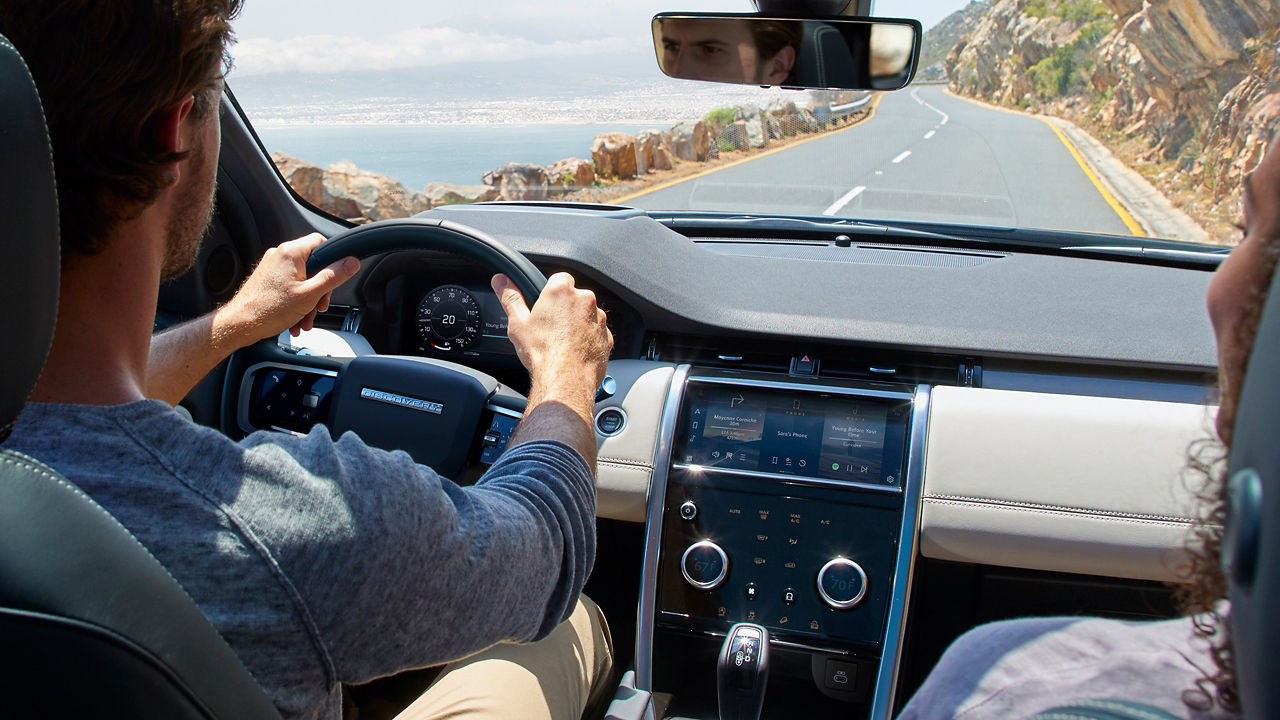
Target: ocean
415 155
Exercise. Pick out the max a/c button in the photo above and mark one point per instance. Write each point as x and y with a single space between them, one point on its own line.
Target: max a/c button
841 675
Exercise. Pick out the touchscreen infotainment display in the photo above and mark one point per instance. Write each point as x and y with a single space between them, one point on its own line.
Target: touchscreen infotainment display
836 436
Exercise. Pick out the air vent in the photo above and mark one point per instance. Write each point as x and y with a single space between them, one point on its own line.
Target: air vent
902 367
837 362
897 256
739 355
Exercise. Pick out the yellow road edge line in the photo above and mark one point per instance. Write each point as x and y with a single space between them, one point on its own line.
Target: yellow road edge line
1135 228
875 101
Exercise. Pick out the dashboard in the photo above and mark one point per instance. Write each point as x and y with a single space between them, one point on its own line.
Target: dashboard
796 431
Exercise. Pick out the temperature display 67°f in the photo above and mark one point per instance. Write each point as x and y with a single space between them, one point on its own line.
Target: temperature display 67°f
449 319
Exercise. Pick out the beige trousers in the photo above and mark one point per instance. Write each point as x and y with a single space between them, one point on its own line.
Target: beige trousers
554 678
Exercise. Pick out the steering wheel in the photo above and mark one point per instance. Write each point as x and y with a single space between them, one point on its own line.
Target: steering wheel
432 409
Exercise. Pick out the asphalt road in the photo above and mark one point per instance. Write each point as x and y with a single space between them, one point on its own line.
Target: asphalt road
923 155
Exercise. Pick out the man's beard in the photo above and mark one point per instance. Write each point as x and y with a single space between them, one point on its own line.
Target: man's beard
189 224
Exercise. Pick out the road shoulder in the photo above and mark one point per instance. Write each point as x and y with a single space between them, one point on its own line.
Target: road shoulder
1158 217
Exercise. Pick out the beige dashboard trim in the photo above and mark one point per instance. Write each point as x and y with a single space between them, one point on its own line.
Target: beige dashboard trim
1059 482
624 464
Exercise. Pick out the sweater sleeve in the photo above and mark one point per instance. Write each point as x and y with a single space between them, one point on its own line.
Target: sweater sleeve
396 567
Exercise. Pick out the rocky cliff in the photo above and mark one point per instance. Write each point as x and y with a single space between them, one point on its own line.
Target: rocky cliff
939 39
1195 81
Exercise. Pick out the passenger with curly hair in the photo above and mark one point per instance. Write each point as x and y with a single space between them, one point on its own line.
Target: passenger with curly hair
1184 667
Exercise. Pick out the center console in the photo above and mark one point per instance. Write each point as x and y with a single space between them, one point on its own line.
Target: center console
791 505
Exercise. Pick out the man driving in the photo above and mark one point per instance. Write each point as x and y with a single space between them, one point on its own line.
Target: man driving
734 51
320 561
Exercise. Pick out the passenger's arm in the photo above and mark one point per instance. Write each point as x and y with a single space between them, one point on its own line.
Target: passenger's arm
564 342
278 296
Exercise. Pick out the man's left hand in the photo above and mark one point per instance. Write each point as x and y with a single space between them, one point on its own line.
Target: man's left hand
279 296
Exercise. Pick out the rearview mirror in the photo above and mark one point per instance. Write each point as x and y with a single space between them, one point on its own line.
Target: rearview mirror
835 54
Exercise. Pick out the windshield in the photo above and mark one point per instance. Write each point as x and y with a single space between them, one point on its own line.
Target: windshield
1045 114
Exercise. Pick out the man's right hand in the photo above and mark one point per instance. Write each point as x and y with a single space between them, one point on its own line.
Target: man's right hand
564 341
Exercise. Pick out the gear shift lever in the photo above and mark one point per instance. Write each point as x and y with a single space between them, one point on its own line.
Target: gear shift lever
742 671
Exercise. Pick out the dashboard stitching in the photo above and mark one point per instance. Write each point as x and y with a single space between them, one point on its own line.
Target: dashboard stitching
1051 510
625 461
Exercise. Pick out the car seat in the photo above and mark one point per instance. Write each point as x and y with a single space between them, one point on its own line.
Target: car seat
90 623
1251 538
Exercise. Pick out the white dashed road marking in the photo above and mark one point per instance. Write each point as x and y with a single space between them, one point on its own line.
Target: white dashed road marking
902 157
844 200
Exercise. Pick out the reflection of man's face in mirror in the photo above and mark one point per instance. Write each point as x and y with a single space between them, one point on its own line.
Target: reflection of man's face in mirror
723 50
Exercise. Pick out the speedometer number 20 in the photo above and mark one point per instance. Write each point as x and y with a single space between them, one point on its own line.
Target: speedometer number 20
449 319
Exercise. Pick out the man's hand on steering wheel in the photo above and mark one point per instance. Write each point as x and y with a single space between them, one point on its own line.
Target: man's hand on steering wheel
279 296
564 342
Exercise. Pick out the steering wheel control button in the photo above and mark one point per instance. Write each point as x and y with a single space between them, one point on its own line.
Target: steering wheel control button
789 596
704 565
688 510
610 421
842 583
751 591
494 440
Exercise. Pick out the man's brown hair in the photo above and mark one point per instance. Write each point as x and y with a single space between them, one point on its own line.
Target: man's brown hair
104 68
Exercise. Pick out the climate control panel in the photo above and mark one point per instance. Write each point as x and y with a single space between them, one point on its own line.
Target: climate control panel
804 561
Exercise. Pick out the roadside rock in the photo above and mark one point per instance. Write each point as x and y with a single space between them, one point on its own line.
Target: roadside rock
774 126
571 174
446 194
657 149
518 181
733 136
757 133
644 153
614 155
348 192
690 140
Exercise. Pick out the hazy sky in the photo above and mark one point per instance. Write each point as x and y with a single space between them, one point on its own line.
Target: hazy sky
325 36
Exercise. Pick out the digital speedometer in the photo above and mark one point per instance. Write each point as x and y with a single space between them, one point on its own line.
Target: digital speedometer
449 319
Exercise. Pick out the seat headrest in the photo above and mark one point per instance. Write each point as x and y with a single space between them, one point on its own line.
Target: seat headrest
29 247
1251 538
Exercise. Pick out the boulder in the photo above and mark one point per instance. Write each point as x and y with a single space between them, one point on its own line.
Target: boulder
644 153
518 181
308 181
733 136
376 197
446 194
780 108
806 122
348 192
658 152
756 134
774 126
690 140
571 174
614 155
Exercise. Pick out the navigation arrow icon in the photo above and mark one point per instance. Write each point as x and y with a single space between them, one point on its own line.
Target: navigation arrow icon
736 400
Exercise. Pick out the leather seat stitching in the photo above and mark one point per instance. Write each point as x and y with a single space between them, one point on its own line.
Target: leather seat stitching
13 457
